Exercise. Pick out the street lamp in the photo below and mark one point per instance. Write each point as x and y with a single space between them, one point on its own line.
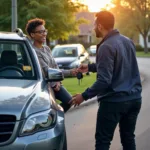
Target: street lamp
14 15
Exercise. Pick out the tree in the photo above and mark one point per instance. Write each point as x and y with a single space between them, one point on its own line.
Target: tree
5 17
136 15
58 14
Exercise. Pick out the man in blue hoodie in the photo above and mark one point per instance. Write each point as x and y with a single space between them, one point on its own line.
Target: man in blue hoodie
118 85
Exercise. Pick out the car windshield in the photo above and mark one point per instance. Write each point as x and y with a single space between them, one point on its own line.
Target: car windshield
93 48
15 61
64 52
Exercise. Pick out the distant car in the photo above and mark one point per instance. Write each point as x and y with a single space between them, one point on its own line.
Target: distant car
92 50
70 56
29 116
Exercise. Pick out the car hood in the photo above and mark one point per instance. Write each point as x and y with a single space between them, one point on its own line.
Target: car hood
21 98
65 60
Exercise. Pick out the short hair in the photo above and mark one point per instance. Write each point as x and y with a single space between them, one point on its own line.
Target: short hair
106 19
32 24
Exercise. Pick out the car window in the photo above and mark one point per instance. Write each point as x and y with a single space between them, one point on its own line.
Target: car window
93 48
64 52
15 61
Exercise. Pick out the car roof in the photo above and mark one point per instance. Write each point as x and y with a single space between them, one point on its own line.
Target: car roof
69 45
93 46
17 34
10 36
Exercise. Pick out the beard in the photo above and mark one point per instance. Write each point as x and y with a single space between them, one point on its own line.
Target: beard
98 33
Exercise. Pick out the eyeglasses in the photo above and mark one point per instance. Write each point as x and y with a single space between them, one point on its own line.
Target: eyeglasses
41 31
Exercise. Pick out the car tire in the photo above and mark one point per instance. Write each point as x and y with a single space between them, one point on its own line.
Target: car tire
65 142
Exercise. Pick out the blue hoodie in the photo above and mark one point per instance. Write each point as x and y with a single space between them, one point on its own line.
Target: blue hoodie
118 77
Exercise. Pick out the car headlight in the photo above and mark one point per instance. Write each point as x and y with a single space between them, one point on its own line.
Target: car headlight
38 122
74 64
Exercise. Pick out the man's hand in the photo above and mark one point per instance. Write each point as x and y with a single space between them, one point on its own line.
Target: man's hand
57 86
76 100
74 71
83 68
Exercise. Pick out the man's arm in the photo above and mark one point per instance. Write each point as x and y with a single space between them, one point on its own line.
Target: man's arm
84 68
92 67
66 72
105 66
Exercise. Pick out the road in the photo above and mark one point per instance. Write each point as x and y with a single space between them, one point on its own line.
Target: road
80 123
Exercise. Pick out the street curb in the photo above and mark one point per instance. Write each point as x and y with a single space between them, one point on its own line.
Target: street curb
94 99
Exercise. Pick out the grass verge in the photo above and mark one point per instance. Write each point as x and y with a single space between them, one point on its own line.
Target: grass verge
71 84
142 54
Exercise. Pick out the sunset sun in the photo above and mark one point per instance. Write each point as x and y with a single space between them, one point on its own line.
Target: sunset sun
97 5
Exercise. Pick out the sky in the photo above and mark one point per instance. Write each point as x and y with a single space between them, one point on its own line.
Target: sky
96 5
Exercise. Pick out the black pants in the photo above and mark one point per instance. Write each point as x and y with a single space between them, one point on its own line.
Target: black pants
109 115
64 96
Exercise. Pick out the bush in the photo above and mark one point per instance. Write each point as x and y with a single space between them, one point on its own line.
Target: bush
139 48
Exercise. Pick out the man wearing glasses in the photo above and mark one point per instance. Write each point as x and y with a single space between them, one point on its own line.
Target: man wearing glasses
36 30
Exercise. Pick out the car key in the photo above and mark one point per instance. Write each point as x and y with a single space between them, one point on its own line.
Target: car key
79 77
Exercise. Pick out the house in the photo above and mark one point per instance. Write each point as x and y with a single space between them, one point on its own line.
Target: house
85 34
141 41
85 30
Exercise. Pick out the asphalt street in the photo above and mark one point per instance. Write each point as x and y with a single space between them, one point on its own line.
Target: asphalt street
81 122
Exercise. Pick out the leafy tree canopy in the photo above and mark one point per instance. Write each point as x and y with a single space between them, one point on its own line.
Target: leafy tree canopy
59 16
132 16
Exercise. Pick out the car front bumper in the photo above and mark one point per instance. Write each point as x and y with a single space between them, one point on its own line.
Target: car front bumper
51 139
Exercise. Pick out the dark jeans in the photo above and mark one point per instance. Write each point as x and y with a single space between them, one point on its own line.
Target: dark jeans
109 115
64 96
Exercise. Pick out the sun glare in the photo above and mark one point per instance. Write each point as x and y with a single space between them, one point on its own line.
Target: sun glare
97 5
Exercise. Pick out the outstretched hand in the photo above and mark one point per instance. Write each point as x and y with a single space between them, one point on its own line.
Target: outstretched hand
76 100
74 71
83 68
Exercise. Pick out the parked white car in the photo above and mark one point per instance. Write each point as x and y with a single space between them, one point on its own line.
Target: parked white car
92 50
70 56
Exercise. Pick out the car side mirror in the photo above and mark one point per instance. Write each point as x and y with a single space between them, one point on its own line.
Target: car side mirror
55 75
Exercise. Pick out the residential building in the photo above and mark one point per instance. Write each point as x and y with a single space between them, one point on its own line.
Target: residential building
141 40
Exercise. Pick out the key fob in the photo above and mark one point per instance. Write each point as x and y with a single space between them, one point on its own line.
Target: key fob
79 75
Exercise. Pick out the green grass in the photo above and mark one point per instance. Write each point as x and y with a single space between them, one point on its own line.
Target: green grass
71 84
142 54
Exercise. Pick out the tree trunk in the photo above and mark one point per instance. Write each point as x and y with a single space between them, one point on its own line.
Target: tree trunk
145 44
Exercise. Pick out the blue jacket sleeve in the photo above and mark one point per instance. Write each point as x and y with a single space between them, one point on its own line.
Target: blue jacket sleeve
105 66
92 67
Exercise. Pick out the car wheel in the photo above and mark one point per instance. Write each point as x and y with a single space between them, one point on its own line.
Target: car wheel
65 142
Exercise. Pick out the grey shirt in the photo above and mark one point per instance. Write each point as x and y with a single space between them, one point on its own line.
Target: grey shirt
47 61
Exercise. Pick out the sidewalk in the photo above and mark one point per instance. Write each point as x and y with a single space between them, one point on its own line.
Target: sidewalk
92 100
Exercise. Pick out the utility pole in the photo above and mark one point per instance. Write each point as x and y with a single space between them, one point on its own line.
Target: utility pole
14 15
